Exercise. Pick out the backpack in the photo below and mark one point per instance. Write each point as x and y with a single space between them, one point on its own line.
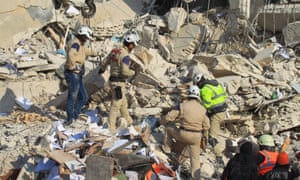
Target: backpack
277 174
244 171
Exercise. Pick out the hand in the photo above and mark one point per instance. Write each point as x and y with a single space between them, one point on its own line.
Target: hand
205 133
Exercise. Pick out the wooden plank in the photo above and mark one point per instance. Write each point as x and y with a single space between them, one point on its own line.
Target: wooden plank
61 157
27 64
45 67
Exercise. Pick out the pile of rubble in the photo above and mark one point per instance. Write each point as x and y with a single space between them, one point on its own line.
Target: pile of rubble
254 54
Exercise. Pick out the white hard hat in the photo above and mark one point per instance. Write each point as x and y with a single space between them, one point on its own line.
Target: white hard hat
84 30
197 78
194 92
132 37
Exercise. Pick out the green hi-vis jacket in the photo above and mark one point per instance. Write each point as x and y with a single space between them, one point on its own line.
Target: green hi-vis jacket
212 95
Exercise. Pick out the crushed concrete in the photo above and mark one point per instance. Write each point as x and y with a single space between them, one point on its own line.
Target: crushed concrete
257 62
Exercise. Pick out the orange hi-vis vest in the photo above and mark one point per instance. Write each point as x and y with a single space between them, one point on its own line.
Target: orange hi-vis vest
269 162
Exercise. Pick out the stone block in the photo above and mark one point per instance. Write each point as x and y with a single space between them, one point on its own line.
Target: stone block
291 34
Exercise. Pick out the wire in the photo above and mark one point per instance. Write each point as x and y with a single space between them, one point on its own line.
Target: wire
274 24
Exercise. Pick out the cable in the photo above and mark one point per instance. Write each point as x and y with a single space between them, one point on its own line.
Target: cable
207 9
274 24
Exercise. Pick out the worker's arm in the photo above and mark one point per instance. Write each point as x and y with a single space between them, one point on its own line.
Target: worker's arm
125 70
103 64
169 117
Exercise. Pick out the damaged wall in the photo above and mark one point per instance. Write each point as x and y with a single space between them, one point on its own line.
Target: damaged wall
20 18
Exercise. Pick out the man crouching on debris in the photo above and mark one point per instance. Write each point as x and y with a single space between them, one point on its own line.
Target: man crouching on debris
74 71
120 71
192 120
213 97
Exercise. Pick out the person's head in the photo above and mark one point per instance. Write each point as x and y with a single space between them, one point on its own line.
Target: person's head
245 140
283 159
194 92
131 40
84 33
246 147
266 141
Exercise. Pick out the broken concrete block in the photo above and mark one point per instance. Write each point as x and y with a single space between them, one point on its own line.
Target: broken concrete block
265 56
31 63
164 45
264 91
176 18
148 37
143 54
226 65
4 70
291 34
147 97
231 83
283 75
143 78
184 42
94 171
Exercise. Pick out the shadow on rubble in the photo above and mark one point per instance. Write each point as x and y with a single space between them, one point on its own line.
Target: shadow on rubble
6 104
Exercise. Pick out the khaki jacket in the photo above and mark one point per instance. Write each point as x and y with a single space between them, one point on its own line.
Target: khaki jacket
193 115
118 59
76 55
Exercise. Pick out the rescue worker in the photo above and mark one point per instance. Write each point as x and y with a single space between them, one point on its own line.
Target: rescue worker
242 165
120 71
282 171
213 97
267 156
192 120
74 71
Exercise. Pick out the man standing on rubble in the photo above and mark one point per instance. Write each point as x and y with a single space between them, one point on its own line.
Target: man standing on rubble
120 71
74 71
192 120
213 97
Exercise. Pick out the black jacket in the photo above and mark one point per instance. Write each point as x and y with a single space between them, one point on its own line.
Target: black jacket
241 166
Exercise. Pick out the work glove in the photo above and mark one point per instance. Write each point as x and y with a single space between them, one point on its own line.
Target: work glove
205 134
204 139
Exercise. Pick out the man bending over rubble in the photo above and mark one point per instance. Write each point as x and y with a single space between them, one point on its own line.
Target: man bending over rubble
192 120
213 97
120 71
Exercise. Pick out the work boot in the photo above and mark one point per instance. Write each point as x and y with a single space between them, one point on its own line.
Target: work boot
219 162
